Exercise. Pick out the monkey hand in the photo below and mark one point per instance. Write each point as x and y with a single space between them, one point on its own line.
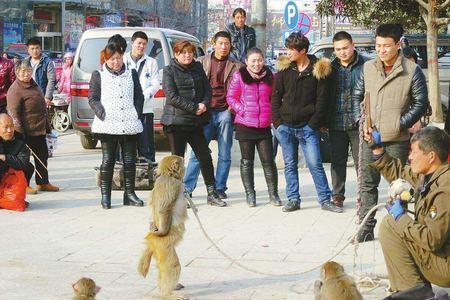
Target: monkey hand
317 287
396 210
153 227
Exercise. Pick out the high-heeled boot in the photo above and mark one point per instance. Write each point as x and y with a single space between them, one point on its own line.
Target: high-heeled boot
129 196
248 180
106 175
271 175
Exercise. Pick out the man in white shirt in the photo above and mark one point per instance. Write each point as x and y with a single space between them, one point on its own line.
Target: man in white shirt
147 69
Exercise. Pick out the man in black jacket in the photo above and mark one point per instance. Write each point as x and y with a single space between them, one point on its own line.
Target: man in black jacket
300 106
13 151
398 95
243 37
343 127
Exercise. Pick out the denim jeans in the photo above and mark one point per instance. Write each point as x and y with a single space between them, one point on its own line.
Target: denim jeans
220 127
341 140
308 139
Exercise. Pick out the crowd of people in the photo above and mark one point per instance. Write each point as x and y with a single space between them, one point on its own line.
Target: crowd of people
371 106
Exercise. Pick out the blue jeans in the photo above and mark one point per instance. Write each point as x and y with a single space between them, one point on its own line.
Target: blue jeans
220 127
290 138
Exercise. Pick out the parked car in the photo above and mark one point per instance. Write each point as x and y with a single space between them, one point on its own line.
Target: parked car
365 44
87 60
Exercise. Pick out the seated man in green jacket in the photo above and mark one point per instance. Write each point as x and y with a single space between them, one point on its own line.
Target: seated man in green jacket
417 250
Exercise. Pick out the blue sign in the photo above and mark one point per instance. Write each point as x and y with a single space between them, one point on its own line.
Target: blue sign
304 23
291 15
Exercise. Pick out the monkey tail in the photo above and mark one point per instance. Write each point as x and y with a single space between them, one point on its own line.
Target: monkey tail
144 262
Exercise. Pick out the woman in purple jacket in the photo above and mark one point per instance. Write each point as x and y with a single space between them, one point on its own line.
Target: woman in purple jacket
249 97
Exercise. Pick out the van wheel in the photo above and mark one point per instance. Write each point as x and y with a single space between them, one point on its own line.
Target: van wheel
87 141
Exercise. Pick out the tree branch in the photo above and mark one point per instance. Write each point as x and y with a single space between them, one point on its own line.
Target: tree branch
423 14
423 4
442 21
444 5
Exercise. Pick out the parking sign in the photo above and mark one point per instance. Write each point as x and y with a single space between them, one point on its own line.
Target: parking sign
291 14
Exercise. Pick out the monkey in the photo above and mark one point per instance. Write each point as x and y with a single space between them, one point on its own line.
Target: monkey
335 284
85 289
169 213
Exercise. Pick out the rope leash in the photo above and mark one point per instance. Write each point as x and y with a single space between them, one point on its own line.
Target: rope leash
35 156
234 261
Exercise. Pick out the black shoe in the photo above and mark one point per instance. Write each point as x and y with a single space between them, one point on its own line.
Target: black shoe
222 194
251 199
291 205
332 207
105 186
419 292
27 204
365 235
212 198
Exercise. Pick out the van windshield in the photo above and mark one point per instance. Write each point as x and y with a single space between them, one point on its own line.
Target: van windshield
173 39
89 58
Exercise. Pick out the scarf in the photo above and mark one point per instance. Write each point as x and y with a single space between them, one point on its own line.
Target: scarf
258 76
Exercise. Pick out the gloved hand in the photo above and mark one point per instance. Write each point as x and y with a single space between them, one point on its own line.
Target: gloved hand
376 138
396 210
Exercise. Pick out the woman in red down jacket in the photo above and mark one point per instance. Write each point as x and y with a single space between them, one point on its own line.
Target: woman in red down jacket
249 97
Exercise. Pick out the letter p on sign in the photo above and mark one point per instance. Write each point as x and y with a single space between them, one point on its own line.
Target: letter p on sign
291 14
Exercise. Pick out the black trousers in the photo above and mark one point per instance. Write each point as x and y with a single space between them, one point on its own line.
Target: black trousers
196 139
109 150
38 145
264 147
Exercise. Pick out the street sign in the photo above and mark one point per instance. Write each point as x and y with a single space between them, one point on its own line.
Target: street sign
291 14
304 23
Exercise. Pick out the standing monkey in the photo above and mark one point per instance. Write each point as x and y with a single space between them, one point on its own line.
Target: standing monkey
167 227
335 284
85 289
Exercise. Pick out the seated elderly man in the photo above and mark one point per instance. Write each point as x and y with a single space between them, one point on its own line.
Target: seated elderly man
417 249
13 151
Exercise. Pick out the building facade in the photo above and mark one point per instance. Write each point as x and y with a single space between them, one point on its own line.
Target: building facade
59 24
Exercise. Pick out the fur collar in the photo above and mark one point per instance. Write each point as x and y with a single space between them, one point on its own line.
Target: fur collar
322 67
247 79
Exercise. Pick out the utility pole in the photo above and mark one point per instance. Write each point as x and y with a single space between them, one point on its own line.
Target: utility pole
259 15
63 25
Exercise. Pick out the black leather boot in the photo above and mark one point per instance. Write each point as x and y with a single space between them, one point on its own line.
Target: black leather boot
106 175
248 180
271 175
419 292
213 199
129 196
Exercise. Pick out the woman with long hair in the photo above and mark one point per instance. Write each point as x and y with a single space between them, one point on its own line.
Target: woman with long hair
249 97
116 97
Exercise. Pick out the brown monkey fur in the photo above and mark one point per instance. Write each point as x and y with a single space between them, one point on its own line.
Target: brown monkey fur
167 227
335 284
85 289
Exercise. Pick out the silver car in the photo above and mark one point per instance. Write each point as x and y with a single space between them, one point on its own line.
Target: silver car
87 60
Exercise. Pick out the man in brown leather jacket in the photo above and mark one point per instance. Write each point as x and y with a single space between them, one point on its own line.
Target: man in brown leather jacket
417 250
7 77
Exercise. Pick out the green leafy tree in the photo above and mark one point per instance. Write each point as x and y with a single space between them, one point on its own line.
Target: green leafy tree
414 15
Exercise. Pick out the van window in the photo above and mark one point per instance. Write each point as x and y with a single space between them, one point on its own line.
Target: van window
89 59
198 48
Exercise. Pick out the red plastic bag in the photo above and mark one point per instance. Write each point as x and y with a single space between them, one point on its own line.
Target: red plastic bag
13 190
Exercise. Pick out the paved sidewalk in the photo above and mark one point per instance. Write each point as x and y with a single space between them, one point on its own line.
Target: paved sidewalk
66 235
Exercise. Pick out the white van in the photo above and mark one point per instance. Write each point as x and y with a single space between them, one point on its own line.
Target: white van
87 60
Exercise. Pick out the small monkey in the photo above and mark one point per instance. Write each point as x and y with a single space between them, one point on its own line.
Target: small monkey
335 284
85 289
167 227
